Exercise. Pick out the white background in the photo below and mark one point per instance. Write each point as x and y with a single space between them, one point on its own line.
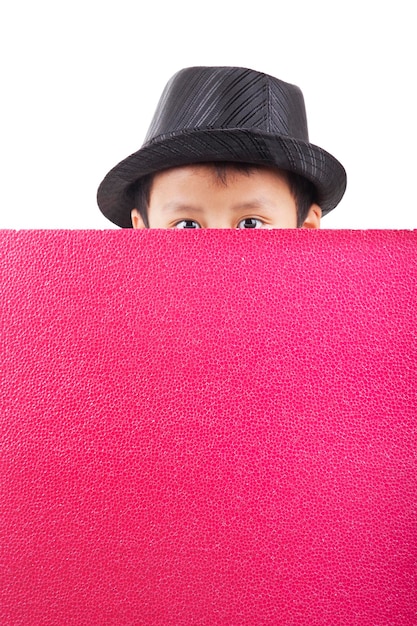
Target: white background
80 82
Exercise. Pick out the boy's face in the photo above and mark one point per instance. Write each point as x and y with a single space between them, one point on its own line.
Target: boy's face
193 196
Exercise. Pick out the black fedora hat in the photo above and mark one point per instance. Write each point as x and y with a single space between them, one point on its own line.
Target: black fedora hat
236 114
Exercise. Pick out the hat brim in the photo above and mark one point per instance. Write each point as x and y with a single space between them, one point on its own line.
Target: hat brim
115 197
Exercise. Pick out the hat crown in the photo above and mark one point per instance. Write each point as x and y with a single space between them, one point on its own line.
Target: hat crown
204 98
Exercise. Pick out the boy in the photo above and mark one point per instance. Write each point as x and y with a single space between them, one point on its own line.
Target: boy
227 148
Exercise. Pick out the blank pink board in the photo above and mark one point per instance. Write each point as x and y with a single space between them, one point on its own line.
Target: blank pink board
208 428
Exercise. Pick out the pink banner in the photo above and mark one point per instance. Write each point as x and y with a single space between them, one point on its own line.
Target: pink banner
208 427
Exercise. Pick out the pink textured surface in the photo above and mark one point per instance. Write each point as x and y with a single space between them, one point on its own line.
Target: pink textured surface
208 428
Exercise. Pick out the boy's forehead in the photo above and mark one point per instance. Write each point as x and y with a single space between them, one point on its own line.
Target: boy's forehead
218 173
206 188
205 179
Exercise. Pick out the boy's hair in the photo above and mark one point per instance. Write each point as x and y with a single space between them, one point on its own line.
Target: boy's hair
302 189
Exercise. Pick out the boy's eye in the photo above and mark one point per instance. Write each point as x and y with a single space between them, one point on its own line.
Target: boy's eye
250 222
187 224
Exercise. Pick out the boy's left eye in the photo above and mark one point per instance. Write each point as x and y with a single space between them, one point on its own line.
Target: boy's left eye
187 224
250 222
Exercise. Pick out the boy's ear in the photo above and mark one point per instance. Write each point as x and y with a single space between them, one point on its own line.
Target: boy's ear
313 217
137 221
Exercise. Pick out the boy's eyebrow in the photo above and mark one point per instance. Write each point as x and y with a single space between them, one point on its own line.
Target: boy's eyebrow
177 206
256 203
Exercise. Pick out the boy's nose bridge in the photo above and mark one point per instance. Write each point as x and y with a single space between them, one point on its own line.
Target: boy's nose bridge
218 216
220 223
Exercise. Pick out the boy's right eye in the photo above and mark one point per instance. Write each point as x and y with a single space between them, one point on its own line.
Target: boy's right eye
187 224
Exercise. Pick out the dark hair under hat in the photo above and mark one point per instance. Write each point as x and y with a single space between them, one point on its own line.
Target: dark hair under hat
208 114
